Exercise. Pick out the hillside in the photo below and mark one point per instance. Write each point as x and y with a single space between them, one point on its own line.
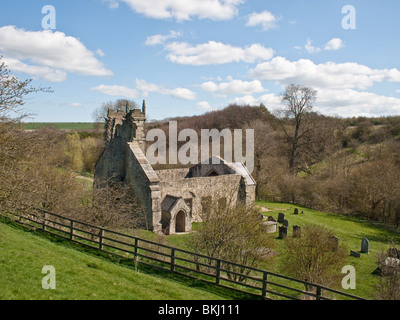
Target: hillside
79 275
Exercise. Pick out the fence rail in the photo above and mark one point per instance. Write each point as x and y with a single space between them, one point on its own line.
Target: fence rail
249 280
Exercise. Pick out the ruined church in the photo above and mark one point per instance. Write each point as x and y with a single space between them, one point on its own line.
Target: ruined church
174 198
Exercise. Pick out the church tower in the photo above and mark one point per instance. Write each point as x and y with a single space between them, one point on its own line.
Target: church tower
122 126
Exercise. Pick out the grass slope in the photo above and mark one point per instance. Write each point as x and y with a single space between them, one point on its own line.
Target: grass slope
350 232
79 275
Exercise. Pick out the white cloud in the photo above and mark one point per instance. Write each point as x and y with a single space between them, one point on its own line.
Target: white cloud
349 103
310 48
270 100
265 19
114 90
204 105
334 44
160 38
36 72
100 53
72 105
182 10
214 52
233 87
50 49
325 75
179 93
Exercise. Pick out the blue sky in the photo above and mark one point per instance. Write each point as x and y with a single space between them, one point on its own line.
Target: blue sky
187 57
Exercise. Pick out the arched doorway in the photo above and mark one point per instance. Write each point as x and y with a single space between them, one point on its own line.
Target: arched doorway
180 221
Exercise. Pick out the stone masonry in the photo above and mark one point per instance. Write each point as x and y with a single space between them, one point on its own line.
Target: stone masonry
173 198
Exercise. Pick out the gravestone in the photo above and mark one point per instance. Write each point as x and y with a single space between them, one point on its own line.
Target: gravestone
281 217
271 218
296 231
282 232
355 254
270 226
365 246
296 211
286 223
334 243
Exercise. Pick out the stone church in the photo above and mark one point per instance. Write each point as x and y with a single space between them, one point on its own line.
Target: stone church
174 198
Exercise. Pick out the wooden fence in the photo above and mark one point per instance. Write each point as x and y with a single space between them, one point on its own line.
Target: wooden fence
262 283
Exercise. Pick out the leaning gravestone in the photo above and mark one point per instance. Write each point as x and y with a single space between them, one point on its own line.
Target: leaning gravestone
282 232
296 231
365 246
285 223
296 211
354 254
281 217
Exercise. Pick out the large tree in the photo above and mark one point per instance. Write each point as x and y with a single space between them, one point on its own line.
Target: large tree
297 119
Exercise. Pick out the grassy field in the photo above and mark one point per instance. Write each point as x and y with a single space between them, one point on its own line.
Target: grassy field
83 276
80 275
350 232
60 125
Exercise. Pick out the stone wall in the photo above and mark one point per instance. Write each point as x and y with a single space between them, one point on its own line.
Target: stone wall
199 188
145 183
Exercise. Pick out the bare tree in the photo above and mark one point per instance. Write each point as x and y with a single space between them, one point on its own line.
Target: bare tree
233 232
13 93
297 119
100 114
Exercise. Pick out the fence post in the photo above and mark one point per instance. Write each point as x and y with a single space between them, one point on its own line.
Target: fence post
264 284
218 271
71 229
44 221
319 293
136 258
101 234
172 259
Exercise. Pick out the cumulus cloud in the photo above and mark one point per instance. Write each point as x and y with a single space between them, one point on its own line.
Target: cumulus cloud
179 93
349 103
325 75
160 38
233 87
115 90
52 50
36 72
340 86
334 44
264 19
270 100
205 106
331 45
310 48
214 52
182 10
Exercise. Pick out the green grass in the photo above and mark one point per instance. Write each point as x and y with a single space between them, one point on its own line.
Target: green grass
350 232
80 275
60 125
